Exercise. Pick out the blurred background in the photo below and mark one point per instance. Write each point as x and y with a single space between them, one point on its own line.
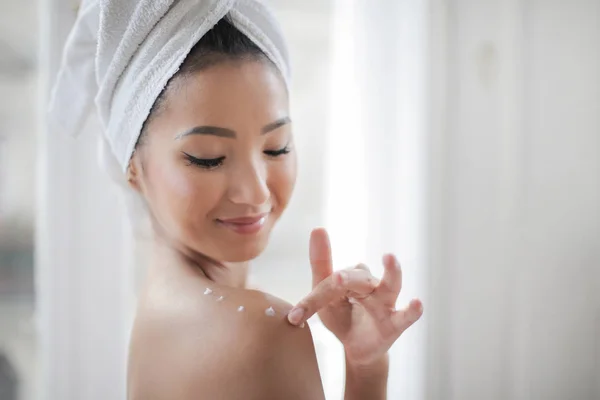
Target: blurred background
462 135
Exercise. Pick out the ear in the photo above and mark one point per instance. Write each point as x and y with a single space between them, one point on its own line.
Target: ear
134 172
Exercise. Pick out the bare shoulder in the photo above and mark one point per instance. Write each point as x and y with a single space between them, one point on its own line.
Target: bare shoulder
222 344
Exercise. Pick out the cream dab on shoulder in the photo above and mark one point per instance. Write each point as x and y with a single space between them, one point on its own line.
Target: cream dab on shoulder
208 291
270 312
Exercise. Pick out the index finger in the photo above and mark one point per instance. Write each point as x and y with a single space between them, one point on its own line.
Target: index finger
320 255
331 289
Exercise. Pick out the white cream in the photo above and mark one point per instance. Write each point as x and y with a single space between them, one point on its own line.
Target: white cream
241 308
220 298
270 312
208 291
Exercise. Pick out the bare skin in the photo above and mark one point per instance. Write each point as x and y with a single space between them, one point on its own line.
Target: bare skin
187 345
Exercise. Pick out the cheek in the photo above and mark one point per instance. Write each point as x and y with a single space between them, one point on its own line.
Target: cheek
185 194
282 179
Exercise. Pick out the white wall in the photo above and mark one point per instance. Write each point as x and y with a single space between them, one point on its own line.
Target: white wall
18 123
515 195
18 87
83 285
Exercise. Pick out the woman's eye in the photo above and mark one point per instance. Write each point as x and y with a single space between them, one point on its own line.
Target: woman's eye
206 163
280 152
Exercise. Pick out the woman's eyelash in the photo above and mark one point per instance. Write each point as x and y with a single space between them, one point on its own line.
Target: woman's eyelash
211 163
280 152
206 163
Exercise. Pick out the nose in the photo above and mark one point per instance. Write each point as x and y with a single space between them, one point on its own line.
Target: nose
248 184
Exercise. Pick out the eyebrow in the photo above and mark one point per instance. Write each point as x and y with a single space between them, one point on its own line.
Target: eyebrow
277 124
229 133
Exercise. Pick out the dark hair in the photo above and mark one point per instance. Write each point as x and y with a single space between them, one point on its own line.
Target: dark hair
224 42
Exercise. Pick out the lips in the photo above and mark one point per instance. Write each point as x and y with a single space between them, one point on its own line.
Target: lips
245 225
244 220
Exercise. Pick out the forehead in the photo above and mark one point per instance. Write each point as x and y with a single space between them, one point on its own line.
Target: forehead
228 91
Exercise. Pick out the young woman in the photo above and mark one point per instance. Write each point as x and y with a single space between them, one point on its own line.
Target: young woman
216 165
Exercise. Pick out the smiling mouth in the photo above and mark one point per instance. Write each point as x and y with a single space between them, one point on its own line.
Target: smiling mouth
245 225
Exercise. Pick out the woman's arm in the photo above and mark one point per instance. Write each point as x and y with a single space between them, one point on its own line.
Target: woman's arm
367 382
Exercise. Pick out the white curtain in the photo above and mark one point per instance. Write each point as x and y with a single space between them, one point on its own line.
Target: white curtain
375 158
467 134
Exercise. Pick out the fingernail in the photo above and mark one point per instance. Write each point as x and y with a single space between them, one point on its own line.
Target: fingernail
296 315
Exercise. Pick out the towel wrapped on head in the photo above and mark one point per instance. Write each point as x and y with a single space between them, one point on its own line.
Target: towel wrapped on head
122 53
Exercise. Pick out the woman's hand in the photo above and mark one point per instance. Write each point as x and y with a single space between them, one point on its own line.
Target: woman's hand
357 307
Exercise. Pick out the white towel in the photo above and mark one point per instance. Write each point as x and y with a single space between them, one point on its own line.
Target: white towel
122 53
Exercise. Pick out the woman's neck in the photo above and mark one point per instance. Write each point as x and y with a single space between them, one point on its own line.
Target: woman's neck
168 259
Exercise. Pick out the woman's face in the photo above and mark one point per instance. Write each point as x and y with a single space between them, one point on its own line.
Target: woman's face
219 166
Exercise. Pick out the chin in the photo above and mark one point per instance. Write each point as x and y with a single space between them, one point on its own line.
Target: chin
243 252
